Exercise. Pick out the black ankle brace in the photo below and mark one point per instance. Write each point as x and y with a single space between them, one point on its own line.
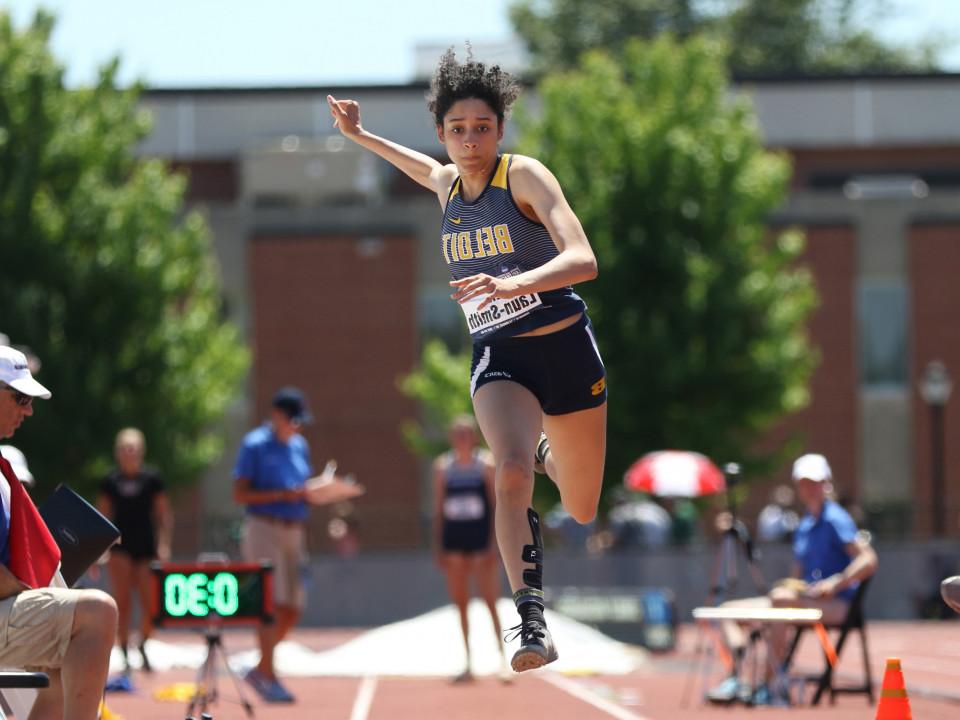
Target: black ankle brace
534 553
528 595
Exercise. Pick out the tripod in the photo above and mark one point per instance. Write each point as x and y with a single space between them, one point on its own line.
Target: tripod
207 678
735 543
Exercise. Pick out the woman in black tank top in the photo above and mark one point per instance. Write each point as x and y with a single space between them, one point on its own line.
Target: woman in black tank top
463 496
514 248
133 496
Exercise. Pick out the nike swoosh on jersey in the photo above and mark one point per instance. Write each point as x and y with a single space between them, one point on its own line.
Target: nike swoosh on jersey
455 221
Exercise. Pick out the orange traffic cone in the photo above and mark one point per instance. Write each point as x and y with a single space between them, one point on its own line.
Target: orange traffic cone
894 703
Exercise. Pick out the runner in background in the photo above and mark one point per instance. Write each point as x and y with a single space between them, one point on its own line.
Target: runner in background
463 491
134 498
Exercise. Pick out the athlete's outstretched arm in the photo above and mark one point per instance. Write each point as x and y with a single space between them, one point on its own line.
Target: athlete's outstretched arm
421 168
538 194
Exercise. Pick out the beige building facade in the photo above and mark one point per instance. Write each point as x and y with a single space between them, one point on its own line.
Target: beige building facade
331 267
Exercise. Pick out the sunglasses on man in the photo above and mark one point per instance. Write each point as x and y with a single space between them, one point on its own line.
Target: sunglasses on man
18 397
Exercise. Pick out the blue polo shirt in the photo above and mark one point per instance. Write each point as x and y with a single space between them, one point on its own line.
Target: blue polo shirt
272 465
819 545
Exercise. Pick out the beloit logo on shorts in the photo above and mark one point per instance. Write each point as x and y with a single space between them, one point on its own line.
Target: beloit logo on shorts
598 387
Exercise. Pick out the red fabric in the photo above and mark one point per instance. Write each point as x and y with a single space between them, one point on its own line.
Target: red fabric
675 473
34 555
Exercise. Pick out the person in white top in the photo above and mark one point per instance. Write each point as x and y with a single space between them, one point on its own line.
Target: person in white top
463 532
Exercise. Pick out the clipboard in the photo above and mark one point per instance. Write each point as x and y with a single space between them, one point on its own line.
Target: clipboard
80 531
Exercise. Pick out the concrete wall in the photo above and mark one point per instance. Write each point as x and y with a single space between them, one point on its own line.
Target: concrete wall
850 111
875 434
372 589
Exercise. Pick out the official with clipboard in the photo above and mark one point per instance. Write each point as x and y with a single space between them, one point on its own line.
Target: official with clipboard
67 632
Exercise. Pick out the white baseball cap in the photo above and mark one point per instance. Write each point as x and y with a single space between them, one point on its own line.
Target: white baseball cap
812 466
15 372
18 462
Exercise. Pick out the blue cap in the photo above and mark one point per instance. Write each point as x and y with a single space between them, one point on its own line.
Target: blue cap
291 402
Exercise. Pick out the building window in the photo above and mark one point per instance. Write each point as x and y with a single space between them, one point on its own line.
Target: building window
882 315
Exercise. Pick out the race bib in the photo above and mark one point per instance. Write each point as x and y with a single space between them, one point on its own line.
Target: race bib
463 507
498 312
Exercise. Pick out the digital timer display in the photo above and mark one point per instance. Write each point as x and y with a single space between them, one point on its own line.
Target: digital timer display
198 594
202 593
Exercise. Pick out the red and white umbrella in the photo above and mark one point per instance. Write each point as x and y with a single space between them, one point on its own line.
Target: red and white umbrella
674 473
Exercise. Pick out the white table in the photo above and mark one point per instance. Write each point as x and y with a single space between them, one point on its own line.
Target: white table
766 616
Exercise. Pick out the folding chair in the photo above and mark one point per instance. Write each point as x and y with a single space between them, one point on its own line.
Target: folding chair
824 680
13 682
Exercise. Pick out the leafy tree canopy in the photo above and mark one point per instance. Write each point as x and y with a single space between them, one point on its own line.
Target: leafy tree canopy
113 288
700 308
766 37
441 384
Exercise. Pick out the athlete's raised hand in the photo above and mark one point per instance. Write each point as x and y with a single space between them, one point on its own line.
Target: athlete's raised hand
420 167
346 115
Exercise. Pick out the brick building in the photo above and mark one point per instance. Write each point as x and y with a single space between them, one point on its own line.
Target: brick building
330 267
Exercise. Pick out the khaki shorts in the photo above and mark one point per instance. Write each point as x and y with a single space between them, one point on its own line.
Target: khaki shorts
35 627
284 545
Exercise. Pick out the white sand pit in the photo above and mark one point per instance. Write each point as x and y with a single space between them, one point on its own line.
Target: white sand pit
426 645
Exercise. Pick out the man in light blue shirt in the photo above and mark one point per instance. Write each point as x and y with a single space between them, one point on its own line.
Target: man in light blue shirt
270 477
273 479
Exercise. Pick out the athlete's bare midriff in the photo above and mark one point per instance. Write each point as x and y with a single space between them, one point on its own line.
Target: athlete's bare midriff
552 327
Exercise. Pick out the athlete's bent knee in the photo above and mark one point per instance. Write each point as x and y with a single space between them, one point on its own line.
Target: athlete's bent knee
584 515
514 474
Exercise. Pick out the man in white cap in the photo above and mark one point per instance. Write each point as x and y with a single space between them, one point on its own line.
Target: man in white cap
68 633
831 558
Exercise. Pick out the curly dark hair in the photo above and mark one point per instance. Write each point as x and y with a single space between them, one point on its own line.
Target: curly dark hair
455 81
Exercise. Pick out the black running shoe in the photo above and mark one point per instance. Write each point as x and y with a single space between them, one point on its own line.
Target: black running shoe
536 644
540 454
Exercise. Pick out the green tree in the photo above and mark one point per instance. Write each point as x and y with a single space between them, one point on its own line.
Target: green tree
105 279
793 37
816 37
441 385
557 32
700 307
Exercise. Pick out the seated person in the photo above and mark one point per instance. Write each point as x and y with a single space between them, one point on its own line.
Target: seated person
831 558
66 633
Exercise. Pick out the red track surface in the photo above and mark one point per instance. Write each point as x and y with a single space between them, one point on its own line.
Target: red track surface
928 651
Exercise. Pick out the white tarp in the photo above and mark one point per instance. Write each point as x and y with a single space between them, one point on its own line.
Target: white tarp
427 645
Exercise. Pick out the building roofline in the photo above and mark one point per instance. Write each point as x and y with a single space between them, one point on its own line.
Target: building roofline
424 84
843 77
283 89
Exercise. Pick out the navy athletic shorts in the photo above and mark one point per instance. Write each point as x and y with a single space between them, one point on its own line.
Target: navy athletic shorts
466 537
563 370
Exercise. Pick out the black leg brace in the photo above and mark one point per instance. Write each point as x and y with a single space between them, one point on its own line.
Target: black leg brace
532 554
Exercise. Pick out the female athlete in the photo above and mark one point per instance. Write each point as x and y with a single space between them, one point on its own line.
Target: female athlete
514 248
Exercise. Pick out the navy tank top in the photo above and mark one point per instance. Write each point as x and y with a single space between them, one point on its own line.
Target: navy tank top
492 236
466 498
